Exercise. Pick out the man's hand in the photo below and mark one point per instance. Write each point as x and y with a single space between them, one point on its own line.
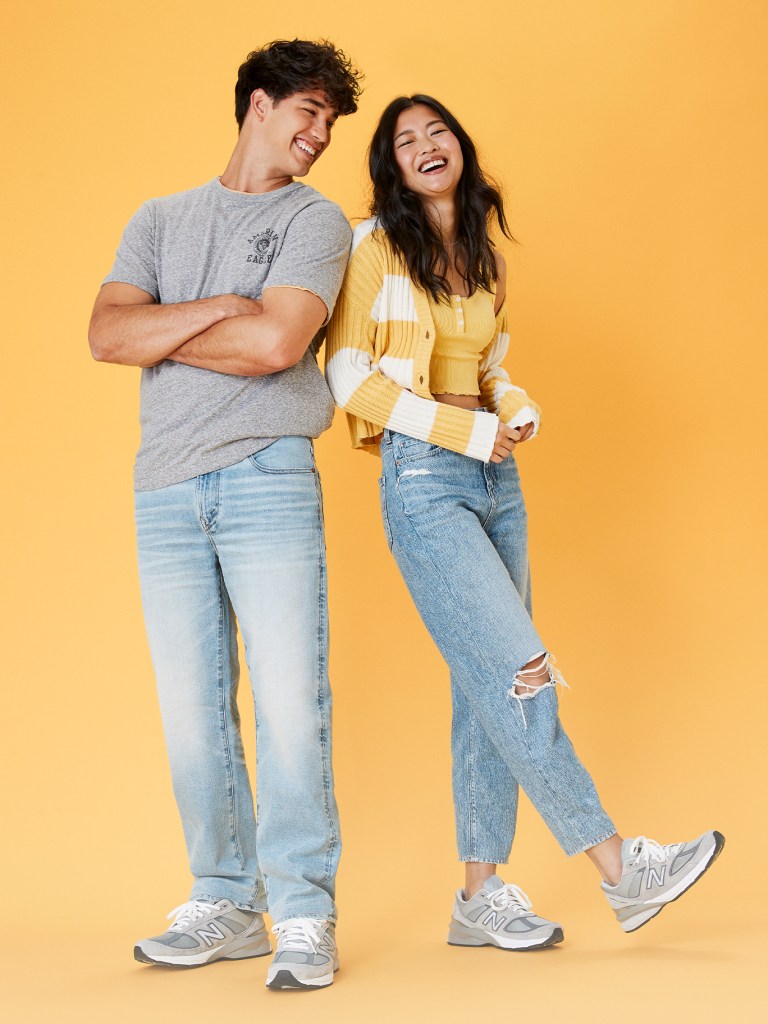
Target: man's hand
507 438
236 305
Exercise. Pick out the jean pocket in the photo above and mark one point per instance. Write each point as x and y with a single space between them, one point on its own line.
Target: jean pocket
409 449
285 455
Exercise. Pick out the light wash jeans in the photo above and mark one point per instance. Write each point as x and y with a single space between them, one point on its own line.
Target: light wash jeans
246 541
458 530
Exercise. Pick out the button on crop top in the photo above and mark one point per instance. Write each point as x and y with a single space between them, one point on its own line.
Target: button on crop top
462 330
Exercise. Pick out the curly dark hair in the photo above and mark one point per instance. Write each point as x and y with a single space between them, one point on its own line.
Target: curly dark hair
411 233
285 67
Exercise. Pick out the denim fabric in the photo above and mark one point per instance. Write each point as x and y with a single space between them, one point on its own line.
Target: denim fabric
246 541
457 528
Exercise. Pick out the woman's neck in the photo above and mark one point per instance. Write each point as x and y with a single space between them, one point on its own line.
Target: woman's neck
442 214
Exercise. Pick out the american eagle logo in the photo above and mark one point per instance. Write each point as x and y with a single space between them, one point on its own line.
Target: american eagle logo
263 247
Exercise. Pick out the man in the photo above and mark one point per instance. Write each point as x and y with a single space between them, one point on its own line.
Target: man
218 293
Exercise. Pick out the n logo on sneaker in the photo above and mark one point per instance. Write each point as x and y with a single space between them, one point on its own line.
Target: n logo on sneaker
207 935
654 875
492 921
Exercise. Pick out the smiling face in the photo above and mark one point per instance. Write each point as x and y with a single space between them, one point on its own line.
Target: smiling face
428 154
296 131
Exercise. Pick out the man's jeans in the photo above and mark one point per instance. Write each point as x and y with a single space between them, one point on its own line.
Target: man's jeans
457 528
246 541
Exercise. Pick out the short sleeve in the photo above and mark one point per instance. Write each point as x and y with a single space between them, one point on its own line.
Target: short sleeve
135 260
314 253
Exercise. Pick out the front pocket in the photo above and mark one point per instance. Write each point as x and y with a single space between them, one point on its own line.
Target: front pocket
410 449
290 454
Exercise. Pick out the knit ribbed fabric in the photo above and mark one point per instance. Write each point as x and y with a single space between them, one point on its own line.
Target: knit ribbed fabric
463 327
379 346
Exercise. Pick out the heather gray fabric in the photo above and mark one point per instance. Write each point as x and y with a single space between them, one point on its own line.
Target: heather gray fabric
213 241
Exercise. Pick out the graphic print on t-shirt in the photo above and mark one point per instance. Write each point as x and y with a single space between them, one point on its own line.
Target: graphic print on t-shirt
263 247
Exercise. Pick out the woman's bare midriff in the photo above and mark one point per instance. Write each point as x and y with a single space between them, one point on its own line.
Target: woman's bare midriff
462 401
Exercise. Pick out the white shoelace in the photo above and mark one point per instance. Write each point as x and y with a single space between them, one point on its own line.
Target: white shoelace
299 933
191 911
647 850
511 897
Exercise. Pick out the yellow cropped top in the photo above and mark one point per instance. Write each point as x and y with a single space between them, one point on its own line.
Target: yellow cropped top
463 330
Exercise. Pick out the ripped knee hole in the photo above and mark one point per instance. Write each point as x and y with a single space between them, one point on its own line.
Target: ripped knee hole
537 674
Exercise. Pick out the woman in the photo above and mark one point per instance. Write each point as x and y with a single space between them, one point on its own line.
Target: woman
414 357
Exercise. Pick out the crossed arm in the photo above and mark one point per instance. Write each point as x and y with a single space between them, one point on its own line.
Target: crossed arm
227 333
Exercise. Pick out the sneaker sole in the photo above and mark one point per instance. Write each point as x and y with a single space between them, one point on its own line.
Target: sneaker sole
247 952
650 912
285 979
460 935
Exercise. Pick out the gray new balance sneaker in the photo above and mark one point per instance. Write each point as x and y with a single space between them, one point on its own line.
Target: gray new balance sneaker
306 954
206 931
500 915
655 875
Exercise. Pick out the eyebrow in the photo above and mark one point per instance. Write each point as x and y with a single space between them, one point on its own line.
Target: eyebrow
405 131
319 105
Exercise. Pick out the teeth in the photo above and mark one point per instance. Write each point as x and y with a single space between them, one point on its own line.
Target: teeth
306 147
432 163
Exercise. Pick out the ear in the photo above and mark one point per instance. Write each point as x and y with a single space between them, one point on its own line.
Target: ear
260 104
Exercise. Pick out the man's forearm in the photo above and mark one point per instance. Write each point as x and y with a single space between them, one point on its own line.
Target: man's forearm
254 346
146 334
246 346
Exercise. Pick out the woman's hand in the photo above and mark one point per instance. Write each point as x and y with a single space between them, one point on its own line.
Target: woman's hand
507 438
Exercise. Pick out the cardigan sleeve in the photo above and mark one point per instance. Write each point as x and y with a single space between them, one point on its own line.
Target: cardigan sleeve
498 394
363 391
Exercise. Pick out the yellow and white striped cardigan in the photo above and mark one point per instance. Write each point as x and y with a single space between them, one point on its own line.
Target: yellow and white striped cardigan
379 344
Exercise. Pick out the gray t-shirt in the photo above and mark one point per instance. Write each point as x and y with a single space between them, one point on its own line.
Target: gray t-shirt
213 241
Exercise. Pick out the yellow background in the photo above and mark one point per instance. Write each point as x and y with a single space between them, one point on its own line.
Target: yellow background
631 142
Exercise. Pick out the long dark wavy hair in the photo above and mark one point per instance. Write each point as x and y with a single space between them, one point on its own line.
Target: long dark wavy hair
402 214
